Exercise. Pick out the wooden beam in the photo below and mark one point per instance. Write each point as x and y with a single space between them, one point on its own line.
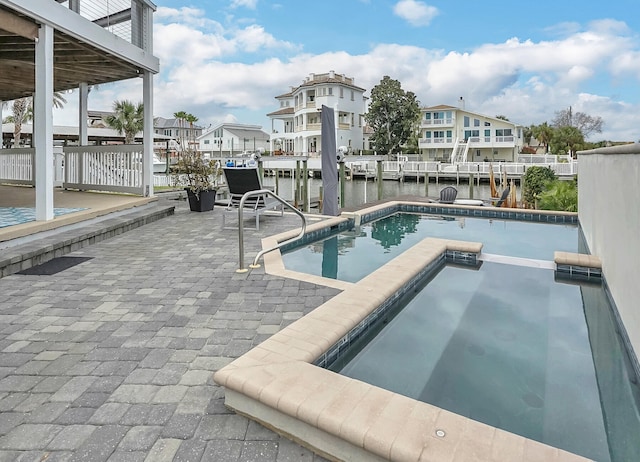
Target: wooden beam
18 26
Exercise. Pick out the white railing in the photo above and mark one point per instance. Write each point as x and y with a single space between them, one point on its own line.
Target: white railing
543 158
127 20
104 168
17 166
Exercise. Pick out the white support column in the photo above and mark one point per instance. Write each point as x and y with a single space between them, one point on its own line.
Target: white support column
83 137
43 123
147 133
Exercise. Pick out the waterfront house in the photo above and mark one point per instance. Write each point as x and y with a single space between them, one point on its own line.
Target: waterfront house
228 139
295 126
455 135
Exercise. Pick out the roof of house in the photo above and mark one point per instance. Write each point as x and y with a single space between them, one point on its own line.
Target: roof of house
283 111
161 122
240 130
319 79
440 106
71 132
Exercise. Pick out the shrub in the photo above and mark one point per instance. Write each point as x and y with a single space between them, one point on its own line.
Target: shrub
535 181
560 195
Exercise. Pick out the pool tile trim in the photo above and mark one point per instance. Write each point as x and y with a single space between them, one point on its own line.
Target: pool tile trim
578 266
543 216
276 384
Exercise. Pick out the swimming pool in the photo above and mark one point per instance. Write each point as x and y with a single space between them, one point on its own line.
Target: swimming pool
351 255
511 347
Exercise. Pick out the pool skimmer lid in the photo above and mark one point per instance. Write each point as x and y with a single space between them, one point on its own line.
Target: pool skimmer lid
440 433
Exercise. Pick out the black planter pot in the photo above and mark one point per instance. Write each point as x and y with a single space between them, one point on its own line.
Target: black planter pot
202 202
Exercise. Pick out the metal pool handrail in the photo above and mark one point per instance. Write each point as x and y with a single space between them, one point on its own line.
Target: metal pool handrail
261 192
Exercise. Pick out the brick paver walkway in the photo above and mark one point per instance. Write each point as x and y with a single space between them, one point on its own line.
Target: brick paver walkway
112 360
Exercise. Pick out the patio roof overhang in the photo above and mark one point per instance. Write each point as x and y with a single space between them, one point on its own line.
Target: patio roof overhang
74 61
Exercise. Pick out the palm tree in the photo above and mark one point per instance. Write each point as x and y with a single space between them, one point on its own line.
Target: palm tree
180 116
543 133
127 119
22 112
191 119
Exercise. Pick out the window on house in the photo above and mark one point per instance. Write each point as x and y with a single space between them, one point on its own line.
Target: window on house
353 97
427 116
467 121
476 122
487 133
487 124
341 92
206 141
330 91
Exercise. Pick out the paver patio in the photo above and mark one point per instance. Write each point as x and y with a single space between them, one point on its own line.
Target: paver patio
112 359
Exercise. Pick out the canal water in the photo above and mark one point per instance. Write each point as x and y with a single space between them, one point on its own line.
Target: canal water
358 192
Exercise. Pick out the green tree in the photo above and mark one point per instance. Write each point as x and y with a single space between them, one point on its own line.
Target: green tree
543 133
127 119
567 139
560 195
502 117
393 115
527 133
535 180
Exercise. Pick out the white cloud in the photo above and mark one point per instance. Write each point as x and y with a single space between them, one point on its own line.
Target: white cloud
203 72
251 4
414 12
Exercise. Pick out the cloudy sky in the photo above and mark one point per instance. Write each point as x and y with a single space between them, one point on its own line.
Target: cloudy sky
226 60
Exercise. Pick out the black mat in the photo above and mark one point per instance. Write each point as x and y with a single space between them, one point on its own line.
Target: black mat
54 266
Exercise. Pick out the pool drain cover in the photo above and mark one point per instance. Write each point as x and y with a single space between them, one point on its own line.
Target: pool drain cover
54 266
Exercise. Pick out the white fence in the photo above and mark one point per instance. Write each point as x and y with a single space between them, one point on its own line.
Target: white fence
119 168
17 166
413 168
104 168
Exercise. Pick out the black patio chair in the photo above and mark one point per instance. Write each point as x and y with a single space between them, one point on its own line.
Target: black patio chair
503 197
448 195
241 180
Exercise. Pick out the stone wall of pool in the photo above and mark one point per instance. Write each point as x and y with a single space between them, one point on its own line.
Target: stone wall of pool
277 384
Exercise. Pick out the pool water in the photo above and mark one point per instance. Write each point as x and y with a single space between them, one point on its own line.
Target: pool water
352 255
511 347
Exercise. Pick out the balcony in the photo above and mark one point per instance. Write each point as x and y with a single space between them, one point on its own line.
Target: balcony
124 18
437 122
84 47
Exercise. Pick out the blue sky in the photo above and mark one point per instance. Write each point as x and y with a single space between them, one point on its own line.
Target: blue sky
226 60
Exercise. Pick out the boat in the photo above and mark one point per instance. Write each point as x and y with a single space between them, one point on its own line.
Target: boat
159 165
476 202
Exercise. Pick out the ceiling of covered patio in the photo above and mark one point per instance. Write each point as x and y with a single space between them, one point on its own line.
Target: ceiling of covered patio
74 62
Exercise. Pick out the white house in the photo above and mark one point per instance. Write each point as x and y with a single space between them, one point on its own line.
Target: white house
295 127
452 134
228 139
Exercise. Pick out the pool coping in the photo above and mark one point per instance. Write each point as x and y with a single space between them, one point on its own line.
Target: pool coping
341 418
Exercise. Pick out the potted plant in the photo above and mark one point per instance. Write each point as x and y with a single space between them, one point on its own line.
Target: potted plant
199 176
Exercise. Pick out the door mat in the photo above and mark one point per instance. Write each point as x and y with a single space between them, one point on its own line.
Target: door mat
54 266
